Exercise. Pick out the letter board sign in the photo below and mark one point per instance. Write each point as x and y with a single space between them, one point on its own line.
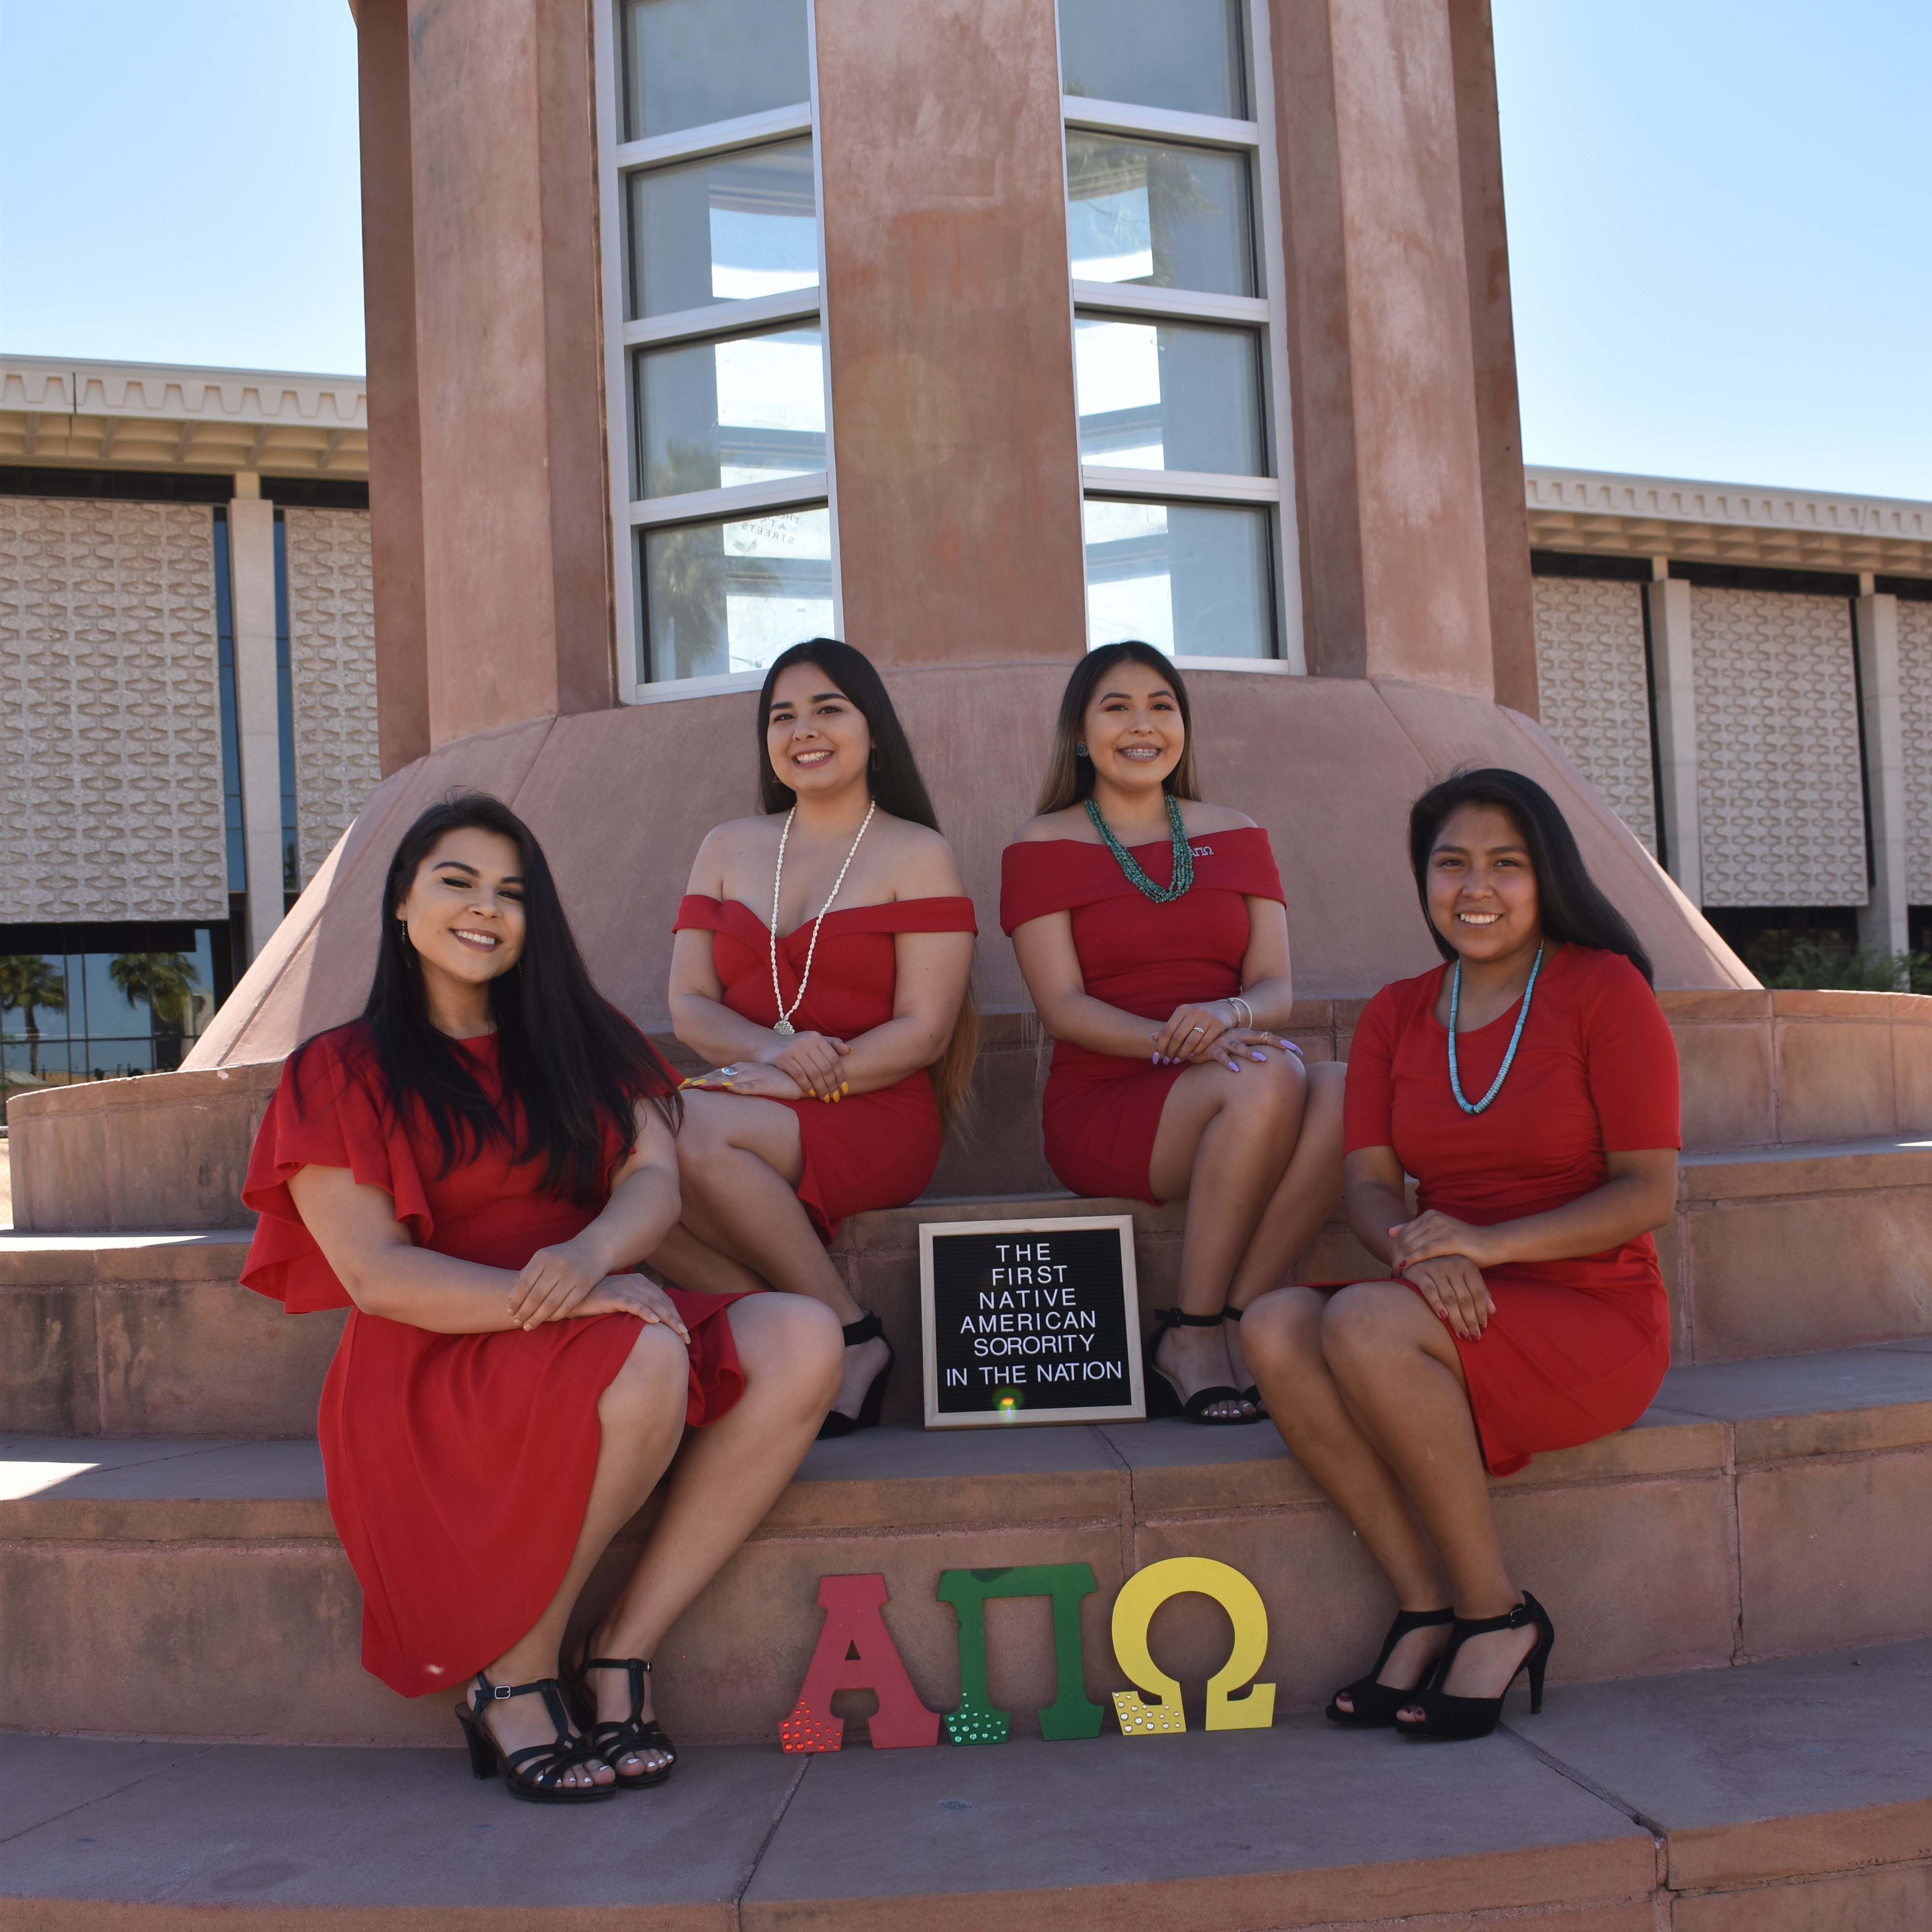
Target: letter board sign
1030 1322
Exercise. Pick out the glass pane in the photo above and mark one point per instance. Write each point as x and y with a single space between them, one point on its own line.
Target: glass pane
1196 579
688 63
720 597
1148 211
1169 396
33 1019
725 228
713 414
1182 54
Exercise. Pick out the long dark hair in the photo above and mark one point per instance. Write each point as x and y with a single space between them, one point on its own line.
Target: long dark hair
571 1062
896 788
1069 778
1570 905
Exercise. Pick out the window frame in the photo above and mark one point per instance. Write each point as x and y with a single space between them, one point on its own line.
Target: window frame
1266 314
617 159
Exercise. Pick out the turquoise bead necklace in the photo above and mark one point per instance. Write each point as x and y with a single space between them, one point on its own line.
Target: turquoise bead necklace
1184 856
1522 1014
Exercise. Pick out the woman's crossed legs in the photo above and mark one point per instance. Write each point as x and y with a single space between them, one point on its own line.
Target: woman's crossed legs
1366 1387
1258 1155
730 1473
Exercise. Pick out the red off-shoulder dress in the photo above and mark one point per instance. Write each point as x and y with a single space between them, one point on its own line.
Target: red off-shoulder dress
875 1150
458 1466
1576 1348
1101 1111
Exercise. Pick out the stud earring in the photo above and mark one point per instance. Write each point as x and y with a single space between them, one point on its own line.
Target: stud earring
1080 749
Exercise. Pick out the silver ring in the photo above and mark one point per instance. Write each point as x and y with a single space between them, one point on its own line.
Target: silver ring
729 1073
1193 1030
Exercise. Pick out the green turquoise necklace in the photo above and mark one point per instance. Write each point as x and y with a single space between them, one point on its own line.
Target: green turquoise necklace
1184 856
1469 1106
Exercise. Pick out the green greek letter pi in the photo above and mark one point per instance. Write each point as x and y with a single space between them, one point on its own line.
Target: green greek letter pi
1071 1714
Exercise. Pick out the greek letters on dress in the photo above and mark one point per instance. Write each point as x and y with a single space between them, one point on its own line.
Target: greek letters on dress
458 1466
875 1150
1577 1349
1101 1111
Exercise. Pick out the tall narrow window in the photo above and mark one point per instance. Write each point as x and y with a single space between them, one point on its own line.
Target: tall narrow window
231 714
285 718
1178 361
722 473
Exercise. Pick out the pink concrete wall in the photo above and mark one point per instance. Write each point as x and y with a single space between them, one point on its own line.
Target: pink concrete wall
949 330
1388 451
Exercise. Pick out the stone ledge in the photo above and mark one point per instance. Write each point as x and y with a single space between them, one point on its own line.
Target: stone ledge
1715 1801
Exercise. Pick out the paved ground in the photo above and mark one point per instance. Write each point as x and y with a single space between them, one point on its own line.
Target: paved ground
1793 1794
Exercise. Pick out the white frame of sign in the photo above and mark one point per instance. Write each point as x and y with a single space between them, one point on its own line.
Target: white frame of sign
1134 1410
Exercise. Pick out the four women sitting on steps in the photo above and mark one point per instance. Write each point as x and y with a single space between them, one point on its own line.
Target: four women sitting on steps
479 1166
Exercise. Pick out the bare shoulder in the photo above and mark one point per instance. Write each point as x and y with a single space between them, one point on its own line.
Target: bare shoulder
1073 823
1198 815
922 863
725 847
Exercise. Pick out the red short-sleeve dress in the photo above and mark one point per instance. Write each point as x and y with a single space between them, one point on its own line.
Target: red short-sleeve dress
1101 1111
458 1466
875 1150
1577 1349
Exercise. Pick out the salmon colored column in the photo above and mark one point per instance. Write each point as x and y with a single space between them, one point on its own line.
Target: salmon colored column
389 329
512 494
1492 342
1388 458
949 327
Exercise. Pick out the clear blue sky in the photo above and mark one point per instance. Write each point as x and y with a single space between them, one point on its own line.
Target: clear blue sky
1718 215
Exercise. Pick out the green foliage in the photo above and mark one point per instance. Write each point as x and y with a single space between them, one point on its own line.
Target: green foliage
164 979
1821 962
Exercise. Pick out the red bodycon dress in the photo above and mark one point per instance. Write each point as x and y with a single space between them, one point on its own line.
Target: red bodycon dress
1102 1111
1576 1348
875 1150
458 1466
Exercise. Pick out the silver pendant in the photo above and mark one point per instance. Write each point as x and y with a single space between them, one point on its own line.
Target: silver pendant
783 1026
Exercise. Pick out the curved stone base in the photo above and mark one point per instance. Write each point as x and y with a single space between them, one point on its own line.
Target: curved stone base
620 799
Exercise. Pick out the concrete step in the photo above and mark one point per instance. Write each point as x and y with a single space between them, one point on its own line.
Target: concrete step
1785 1797
195 1588
1774 1251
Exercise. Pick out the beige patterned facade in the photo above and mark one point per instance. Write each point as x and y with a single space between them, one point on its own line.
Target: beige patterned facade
1595 689
110 783
1780 797
1915 684
332 667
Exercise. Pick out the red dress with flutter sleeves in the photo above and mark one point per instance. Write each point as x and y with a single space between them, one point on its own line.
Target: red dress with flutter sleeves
458 1466
875 1150
1577 1349
1101 1111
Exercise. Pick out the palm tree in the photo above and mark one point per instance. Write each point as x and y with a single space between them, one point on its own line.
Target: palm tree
166 981
29 980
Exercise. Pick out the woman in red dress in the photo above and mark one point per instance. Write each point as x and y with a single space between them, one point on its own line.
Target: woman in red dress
1152 935
472 1168
841 1035
1530 1086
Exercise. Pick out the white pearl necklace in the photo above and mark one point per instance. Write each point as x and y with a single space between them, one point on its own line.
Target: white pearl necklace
785 1012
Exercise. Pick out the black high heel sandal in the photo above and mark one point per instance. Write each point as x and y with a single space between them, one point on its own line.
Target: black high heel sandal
1251 1394
535 1772
1376 1703
1444 1718
612 1739
837 1423
1163 1392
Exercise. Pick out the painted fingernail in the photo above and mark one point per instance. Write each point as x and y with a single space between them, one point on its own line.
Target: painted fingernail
1258 1056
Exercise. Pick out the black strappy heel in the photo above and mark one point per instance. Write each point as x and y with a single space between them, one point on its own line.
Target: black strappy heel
1251 1394
1376 1703
1444 1718
1163 1392
612 1740
837 1422
535 1772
